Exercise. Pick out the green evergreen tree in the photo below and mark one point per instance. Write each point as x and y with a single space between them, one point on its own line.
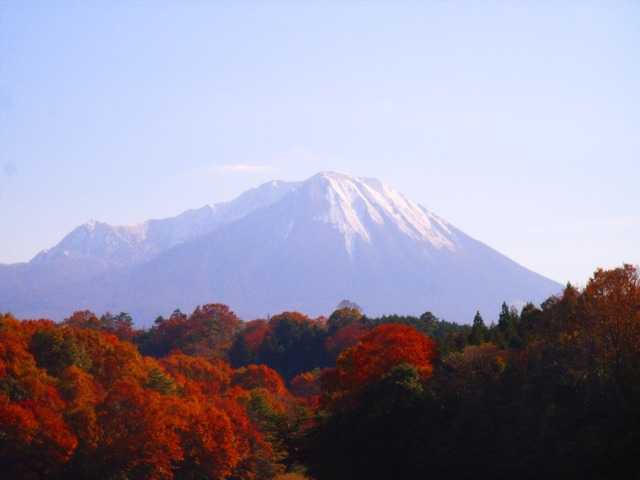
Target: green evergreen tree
479 331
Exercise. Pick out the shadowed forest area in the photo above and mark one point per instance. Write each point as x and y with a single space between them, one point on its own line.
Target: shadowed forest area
550 391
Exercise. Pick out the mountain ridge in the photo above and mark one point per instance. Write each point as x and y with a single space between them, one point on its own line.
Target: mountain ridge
280 246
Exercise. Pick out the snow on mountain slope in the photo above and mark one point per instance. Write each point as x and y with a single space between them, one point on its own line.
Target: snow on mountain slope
118 246
353 202
283 246
96 240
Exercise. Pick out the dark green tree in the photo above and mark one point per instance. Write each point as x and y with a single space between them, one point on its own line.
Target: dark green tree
293 344
508 327
55 349
389 436
479 331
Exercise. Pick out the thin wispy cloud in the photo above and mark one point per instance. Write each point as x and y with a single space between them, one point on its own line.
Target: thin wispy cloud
285 160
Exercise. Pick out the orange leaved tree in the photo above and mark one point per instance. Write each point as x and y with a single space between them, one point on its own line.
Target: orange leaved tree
376 354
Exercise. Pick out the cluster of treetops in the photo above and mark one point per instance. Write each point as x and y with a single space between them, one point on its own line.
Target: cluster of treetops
546 392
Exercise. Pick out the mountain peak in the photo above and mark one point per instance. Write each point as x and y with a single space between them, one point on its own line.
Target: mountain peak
91 225
335 176
360 206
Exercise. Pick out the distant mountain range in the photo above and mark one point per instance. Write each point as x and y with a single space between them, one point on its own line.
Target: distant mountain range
301 246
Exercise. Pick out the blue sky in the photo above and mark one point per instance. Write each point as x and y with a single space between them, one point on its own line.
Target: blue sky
518 122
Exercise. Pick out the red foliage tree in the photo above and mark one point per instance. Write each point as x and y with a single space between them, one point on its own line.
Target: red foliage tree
136 434
206 435
345 338
212 376
214 326
306 384
83 319
254 333
612 300
376 354
35 441
306 388
260 376
612 329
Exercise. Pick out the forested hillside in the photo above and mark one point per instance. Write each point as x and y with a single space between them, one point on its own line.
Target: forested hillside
551 391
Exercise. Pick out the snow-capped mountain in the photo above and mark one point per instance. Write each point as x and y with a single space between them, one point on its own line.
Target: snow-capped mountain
282 246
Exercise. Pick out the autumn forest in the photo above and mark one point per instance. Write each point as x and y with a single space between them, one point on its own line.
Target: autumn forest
548 391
